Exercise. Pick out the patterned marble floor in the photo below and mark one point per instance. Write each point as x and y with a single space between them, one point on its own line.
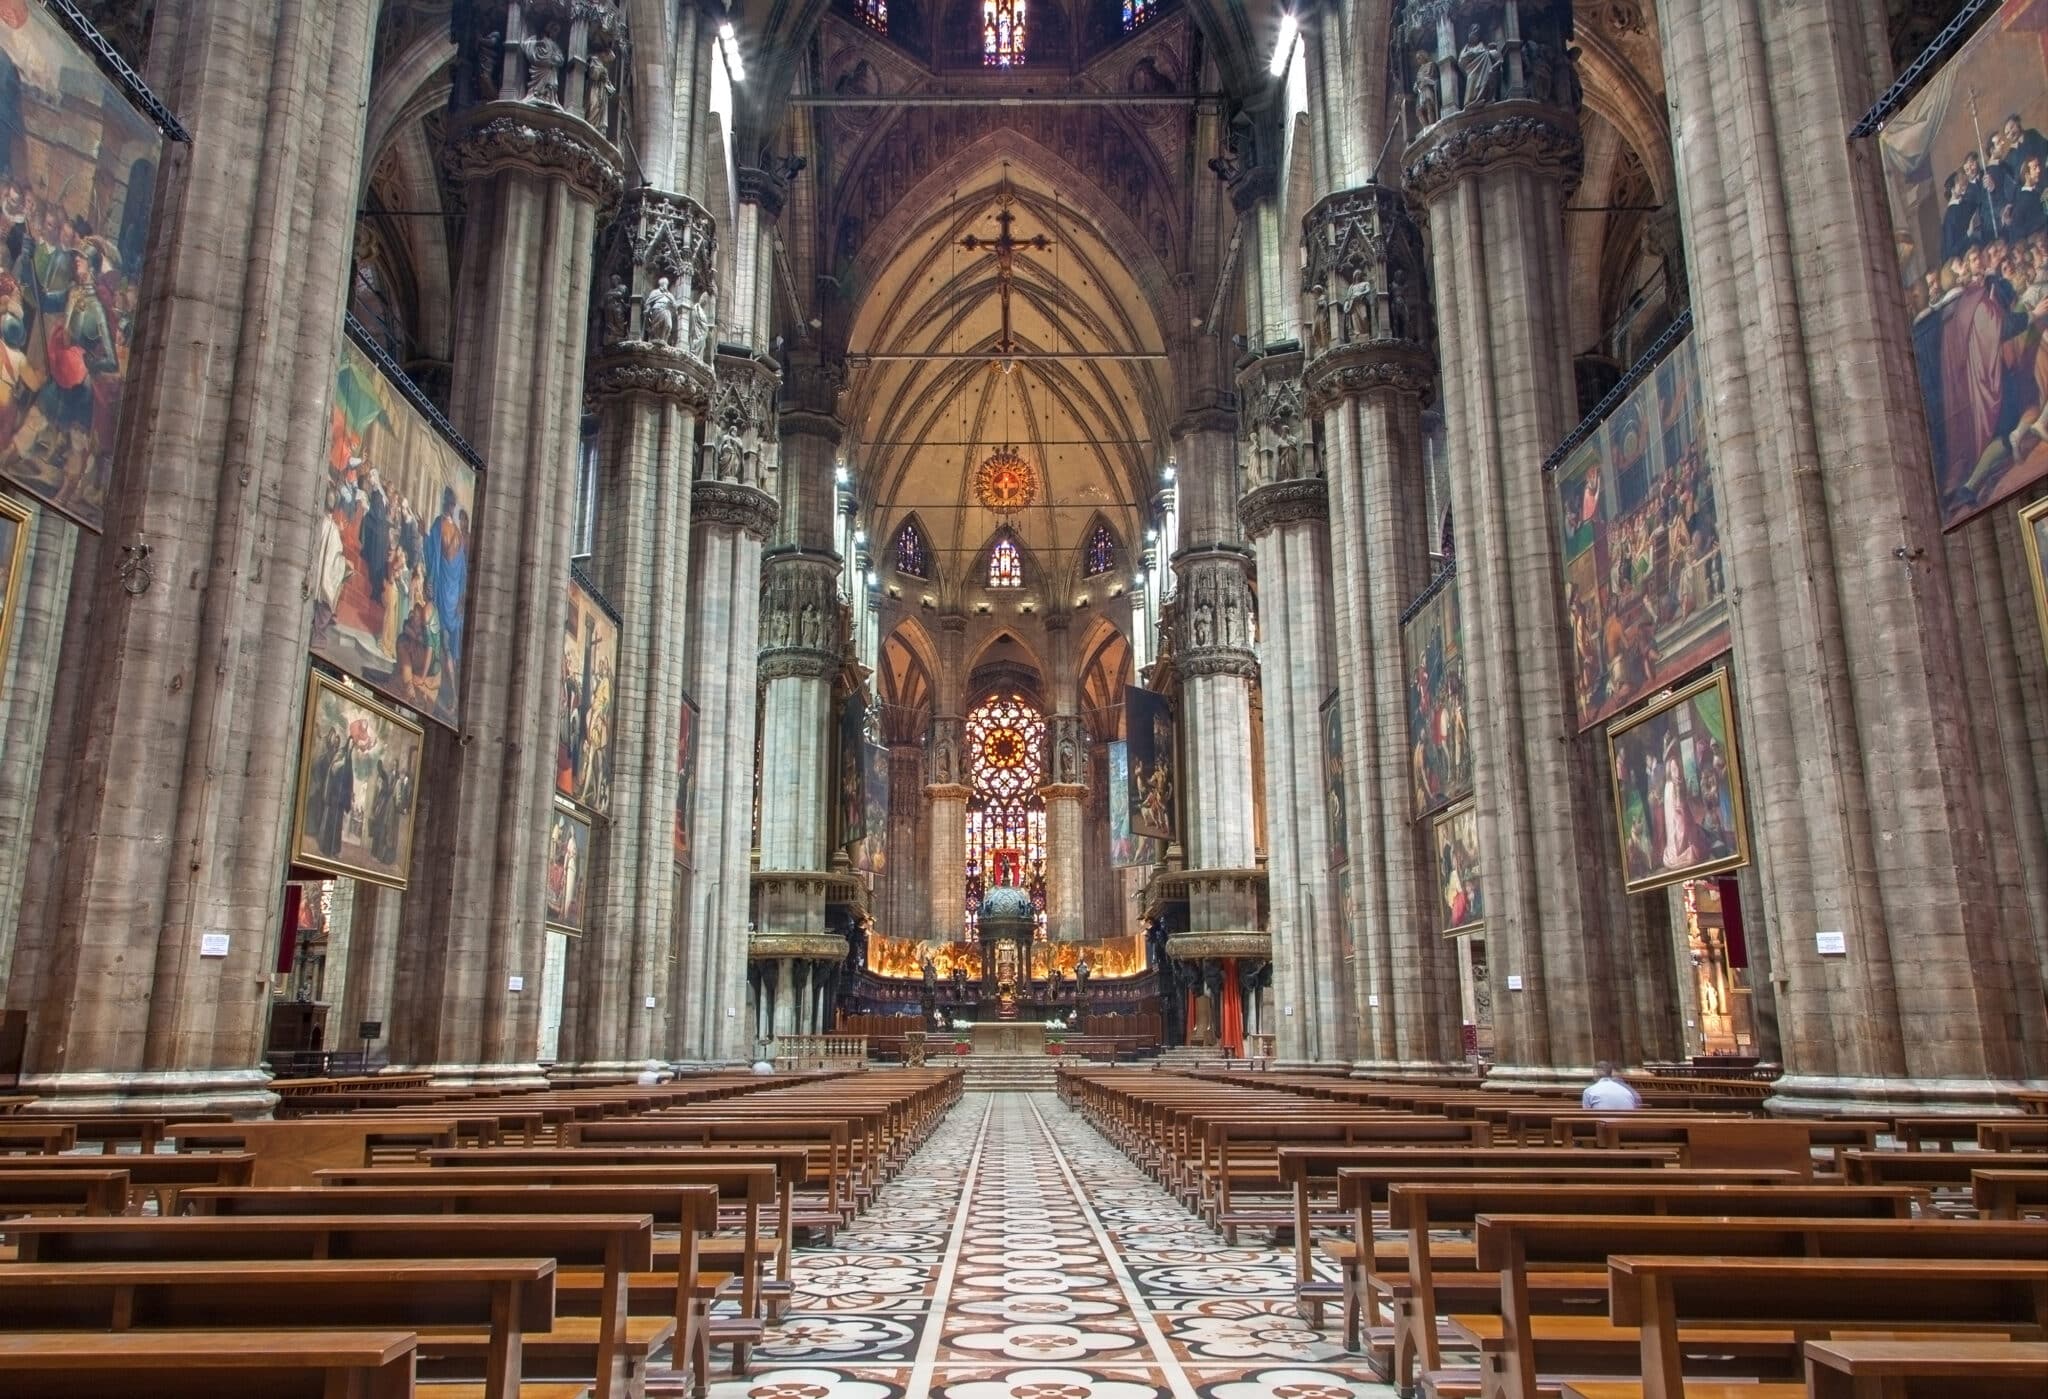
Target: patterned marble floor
1021 1256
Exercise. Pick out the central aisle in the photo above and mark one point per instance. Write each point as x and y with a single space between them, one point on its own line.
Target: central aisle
1021 1256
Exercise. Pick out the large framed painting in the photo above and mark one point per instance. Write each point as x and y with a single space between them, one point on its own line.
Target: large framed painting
15 527
853 801
568 868
78 170
1645 583
870 855
1127 849
1154 775
391 567
1966 166
2034 534
1678 787
1336 806
1460 878
1439 747
359 768
590 673
686 782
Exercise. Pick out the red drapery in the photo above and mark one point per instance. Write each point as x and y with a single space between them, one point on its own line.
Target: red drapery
1230 1013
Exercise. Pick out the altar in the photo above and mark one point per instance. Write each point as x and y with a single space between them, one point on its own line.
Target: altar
1007 1037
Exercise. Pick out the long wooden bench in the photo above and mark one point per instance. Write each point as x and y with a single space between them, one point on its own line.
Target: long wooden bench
1926 1370
211 1364
1240 1158
30 1136
600 1336
104 1191
1523 1340
2008 1194
160 1176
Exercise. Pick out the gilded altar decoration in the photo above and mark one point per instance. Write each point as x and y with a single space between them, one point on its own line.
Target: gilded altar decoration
1678 787
590 675
568 869
359 768
77 176
1966 164
395 540
1005 482
1460 878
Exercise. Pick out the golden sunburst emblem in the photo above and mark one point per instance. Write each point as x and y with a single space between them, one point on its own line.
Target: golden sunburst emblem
1005 482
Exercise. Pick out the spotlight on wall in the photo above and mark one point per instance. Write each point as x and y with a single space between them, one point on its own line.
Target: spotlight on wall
873 578
840 475
729 45
1283 45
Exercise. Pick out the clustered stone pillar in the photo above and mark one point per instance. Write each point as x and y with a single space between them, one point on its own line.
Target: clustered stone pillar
650 382
1876 821
1369 375
948 792
174 731
732 516
1284 513
1496 152
1065 793
532 144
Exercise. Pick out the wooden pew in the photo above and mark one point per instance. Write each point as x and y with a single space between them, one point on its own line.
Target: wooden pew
1523 1341
161 1176
2007 1194
211 1365
612 1345
1783 1144
2013 1134
1933 1170
291 1153
1852 1369
100 1192
1238 1156
31 1136
495 1300
1810 1297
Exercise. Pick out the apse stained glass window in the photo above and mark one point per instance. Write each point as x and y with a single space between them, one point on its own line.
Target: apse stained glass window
875 14
1005 564
1136 12
1005 813
1101 551
912 557
1002 33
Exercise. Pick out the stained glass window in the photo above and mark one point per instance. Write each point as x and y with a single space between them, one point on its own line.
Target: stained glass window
875 13
1002 33
912 557
1136 12
1005 564
1101 551
1005 814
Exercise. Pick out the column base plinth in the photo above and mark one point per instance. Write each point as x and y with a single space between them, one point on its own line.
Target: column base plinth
529 1075
597 1071
1409 1068
243 1093
1539 1076
1810 1095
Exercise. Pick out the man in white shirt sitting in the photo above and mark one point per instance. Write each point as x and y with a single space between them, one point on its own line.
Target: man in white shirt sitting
1608 1093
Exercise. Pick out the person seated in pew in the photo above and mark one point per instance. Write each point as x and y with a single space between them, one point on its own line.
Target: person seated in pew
655 1072
1608 1093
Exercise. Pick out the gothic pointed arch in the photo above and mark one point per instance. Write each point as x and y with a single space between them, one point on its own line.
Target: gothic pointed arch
1004 564
910 551
1102 549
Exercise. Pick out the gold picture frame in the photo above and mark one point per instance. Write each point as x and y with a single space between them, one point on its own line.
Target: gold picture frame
2033 534
359 765
1460 869
1678 797
17 521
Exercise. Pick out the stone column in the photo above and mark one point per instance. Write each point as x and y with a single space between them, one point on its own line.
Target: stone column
650 383
1497 152
732 516
1284 513
537 165
1066 909
1871 817
948 793
1369 376
167 783
370 981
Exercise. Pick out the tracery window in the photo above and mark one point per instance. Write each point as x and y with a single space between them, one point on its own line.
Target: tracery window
1005 564
875 14
1005 813
1002 33
1101 551
913 558
1136 12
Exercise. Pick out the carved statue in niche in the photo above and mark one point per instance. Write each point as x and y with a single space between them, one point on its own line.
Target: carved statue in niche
701 324
1069 766
1428 97
728 458
597 92
1359 299
618 311
1480 62
1316 313
544 59
490 53
1539 71
658 314
1201 624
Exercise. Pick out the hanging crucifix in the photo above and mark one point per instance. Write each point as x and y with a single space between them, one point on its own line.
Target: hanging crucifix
1005 246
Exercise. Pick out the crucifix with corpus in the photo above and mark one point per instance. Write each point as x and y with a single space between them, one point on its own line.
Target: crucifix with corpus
1005 246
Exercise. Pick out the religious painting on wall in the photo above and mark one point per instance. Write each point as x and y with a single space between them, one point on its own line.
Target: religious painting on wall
14 537
1153 777
2034 533
1460 882
1966 165
78 170
391 565
1127 849
686 783
359 765
870 853
1678 787
1433 651
853 799
568 868
590 674
1335 805
1646 589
